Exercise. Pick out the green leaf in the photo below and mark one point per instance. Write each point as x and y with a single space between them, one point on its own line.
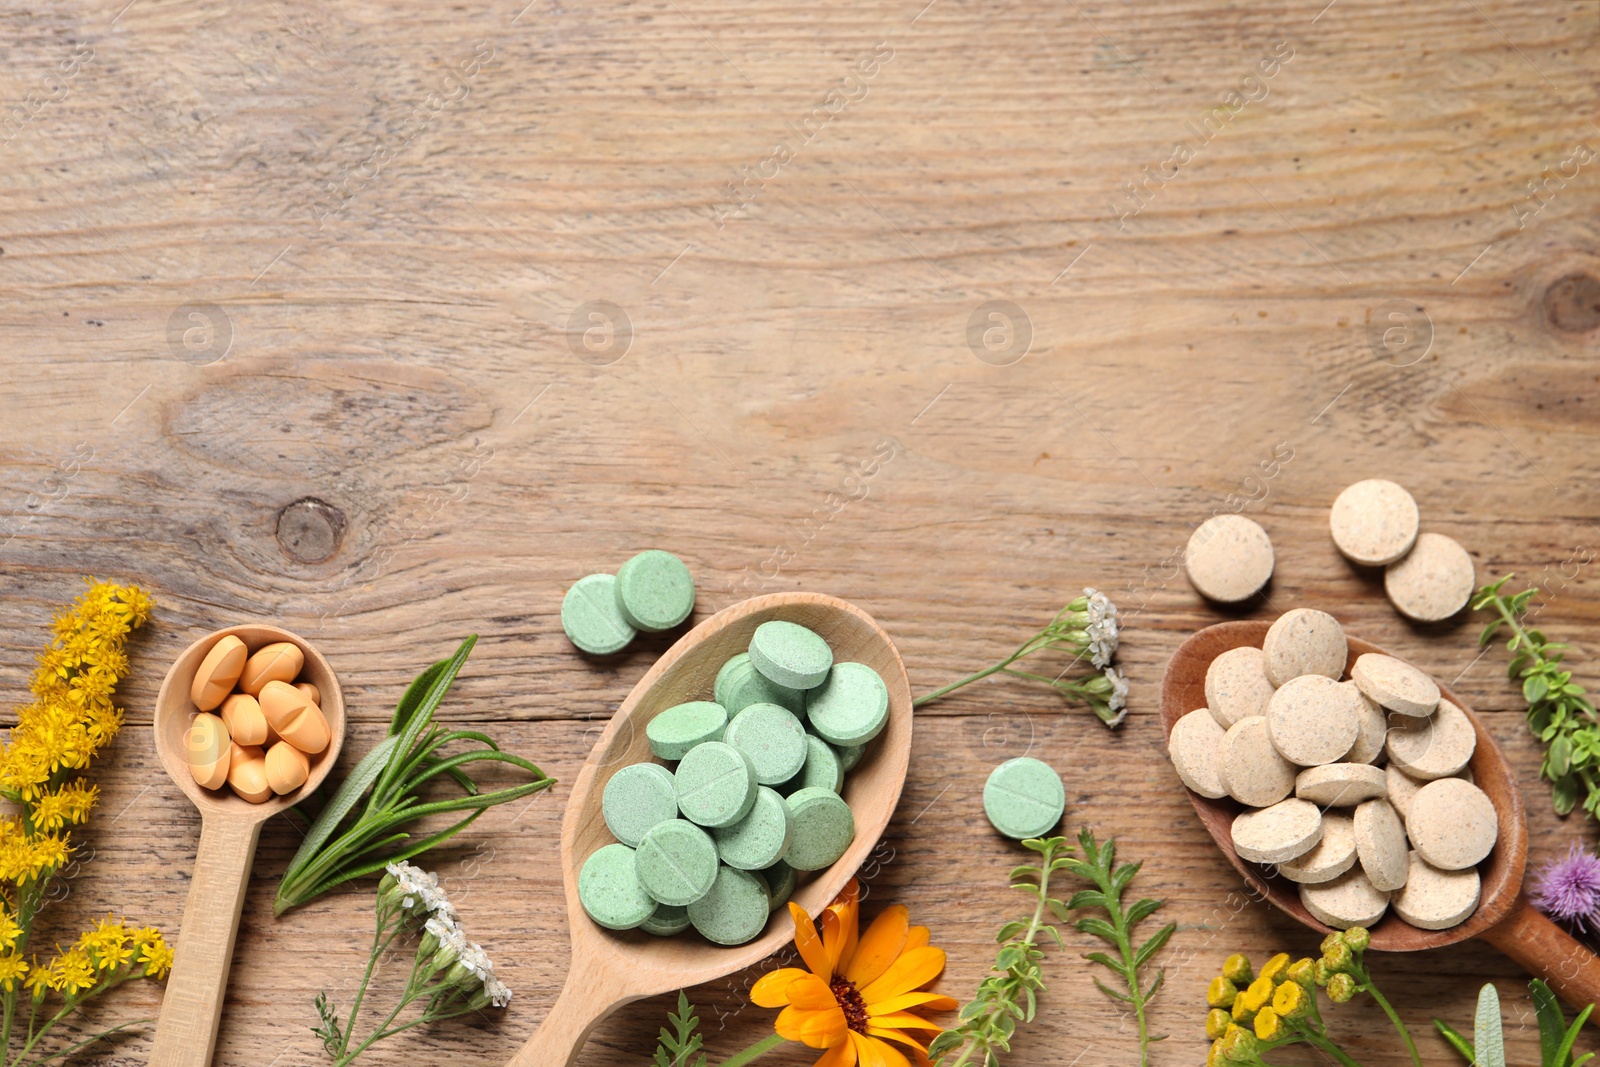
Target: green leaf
1552 1026
1564 1051
350 792
1157 941
1457 1042
1487 1037
412 698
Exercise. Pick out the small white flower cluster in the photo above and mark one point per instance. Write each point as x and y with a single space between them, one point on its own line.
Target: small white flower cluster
1118 700
445 926
1102 628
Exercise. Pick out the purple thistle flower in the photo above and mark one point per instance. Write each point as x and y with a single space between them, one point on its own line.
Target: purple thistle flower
1569 889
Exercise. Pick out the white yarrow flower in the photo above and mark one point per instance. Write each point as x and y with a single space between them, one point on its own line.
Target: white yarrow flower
1118 700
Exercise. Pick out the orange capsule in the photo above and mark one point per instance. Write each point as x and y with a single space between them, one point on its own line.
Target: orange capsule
312 693
279 661
296 719
218 672
247 773
287 768
246 724
207 745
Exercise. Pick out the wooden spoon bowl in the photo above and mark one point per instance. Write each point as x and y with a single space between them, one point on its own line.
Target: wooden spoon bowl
186 1030
1504 917
610 969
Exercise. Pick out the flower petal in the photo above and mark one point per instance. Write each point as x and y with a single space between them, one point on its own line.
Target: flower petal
915 968
927 1001
880 946
875 1053
843 918
809 944
895 1035
840 1055
810 993
772 989
917 937
819 1029
901 1020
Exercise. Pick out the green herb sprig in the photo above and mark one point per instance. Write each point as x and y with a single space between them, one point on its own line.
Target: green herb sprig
1117 929
361 830
1556 1038
680 1046
1008 996
1560 713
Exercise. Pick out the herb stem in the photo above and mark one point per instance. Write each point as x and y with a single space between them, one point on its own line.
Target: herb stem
1394 1017
760 1048
928 698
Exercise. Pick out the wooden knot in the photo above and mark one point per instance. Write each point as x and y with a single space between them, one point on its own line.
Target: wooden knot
309 530
1572 303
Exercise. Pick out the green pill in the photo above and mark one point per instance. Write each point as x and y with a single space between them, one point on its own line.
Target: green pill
654 590
790 654
851 707
668 919
735 910
822 768
743 685
637 798
823 829
771 739
610 890
849 756
676 862
679 728
761 838
1024 798
590 616
716 785
781 881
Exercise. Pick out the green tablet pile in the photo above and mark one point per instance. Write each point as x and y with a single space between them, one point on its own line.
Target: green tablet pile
720 840
603 612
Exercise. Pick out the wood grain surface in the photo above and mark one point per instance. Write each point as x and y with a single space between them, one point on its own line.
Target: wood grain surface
387 322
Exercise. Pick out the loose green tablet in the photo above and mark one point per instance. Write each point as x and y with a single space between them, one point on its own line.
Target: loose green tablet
851 707
590 616
637 798
790 654
679 728
655 590
743 685
771 739
716 785
735 910
781 881
822 768
676 862
668 919
823 829
1024 798
761 838
849 756
610 890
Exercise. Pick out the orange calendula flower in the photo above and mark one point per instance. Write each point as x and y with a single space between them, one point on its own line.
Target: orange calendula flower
859 991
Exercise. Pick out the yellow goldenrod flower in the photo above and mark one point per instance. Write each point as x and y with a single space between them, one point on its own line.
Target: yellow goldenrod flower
38 981
1273 971
1220 993
12 970
1291 1001
156 957
1217 1023
72 972
1236 969
9 930
1268 1026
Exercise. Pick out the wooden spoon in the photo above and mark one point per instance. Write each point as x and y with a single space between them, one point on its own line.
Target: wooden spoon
610 969
186 1030
1504 917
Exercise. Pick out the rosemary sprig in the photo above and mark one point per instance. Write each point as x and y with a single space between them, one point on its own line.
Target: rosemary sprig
1117 928
1008 996
1560 713
683 1041
351 839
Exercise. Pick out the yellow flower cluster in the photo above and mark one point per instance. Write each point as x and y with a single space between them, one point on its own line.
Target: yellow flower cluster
1251 1013
72 715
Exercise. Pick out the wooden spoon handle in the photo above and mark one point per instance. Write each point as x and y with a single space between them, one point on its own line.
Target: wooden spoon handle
1542 948
585 1001
186 1031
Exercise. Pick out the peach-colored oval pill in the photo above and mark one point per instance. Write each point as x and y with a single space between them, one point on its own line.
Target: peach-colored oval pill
248 774
246 724
206 743
287 768
279 661
296 720
218 672
312 693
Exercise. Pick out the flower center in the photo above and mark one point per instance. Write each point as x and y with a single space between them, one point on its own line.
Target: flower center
850 1002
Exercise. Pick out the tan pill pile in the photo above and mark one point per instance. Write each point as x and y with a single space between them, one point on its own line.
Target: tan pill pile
1429 577
266 727
1355 786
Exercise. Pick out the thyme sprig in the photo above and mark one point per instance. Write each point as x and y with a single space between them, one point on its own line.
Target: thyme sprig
1008 996
1560 713
1117 929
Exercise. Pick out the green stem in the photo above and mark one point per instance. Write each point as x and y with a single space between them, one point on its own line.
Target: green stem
760 1048
928 698
366 977
1333 1050
1394 1017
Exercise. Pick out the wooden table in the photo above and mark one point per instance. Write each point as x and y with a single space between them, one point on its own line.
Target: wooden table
387 325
